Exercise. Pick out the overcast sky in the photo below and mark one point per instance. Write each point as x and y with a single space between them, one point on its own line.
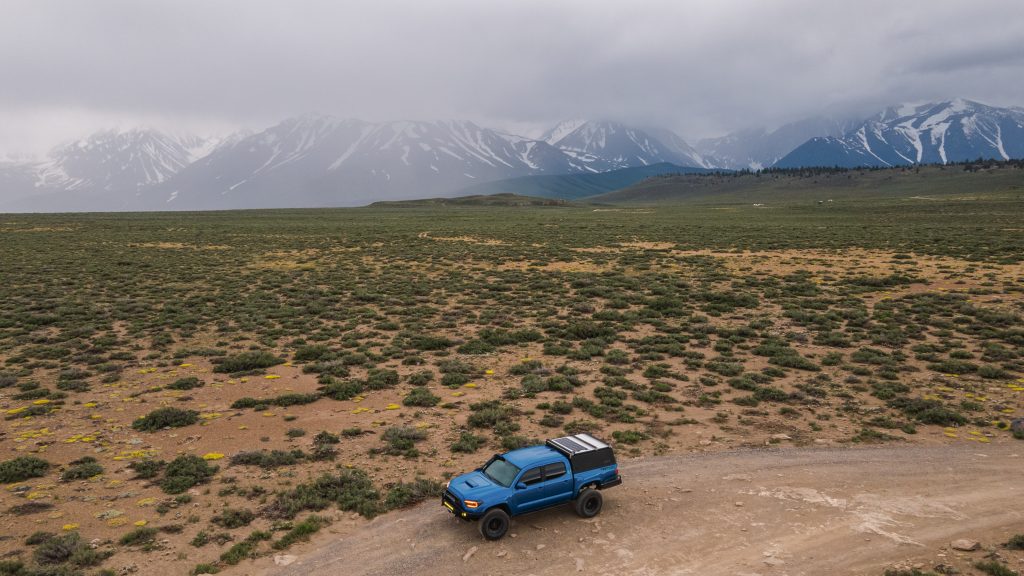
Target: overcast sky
701 68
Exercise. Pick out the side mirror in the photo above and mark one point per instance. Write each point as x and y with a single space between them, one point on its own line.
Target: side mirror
521 486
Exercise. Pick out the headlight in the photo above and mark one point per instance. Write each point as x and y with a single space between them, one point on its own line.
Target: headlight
471 503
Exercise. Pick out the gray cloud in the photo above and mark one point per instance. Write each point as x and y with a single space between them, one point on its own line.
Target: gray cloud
700 68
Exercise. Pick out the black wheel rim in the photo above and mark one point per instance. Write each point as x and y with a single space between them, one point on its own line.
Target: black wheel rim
590 506
494 526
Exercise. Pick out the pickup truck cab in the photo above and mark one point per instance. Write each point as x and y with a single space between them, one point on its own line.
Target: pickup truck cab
568 469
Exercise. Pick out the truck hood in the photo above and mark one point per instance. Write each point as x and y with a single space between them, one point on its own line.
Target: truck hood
474 486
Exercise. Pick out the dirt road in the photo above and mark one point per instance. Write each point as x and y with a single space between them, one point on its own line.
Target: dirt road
793 511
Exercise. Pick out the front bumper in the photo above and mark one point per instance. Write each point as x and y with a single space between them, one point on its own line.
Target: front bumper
454 505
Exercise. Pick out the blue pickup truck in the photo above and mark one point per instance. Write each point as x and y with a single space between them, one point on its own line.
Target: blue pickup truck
568 469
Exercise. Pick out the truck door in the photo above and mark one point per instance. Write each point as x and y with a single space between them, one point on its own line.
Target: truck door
557 485
531 497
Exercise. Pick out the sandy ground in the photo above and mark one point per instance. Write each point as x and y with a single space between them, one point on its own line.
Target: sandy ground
755 512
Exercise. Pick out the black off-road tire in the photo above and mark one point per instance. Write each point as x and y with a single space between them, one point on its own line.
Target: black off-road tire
495 524
589 503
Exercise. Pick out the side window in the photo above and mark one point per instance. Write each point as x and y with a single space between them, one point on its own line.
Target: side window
552 471
530 477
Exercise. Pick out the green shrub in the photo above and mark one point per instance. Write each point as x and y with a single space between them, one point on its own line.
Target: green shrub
401 441
267 460
186 471
82 469
246 362
145 469
205 569
468 443
421 396
310 353
629 436
58 549
301 532
168 417
995 568
185 383
139 537
343 390
231 518
406 494
381 379
22 468
350 490
1016 542
244 549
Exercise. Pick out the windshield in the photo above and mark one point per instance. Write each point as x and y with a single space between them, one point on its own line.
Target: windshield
501 471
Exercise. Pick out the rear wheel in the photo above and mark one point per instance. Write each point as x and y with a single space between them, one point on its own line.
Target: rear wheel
589 503
494 524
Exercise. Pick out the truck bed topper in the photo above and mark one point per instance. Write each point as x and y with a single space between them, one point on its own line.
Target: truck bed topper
583 451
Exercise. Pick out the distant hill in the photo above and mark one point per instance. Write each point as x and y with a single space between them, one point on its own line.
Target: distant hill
577 186
475 200
824 184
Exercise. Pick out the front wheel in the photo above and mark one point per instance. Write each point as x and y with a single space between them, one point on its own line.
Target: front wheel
589 503
494 524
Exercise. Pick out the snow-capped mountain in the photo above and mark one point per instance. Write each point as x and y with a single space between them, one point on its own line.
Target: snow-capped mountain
603 146
315 160
101 171
120 160
943 132
759 148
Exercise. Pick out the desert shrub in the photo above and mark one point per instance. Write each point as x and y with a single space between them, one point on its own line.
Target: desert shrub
421 378
468 443
82 469
295 433
73 386
582 426
995 568
380 379
185 383
342 390
294 399
325 438
301 532
421 396
184 472
629 436
406 494
22 468
350 490
145 469
58 549
246 362
267 460
37 538
168 417
139 537
244 549
231 518
428 342
205 568
1016 542
310 353
953 367
31 507
928 411
489 414
992 372
401 441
